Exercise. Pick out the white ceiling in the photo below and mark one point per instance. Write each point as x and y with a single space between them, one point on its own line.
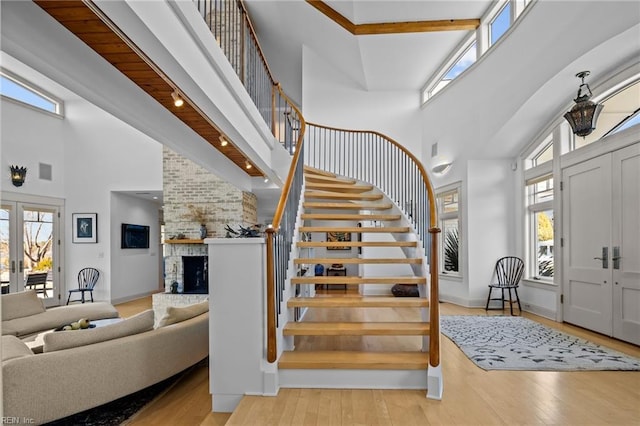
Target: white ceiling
374 62
519 86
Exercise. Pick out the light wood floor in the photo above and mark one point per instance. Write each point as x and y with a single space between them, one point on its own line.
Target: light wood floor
472 396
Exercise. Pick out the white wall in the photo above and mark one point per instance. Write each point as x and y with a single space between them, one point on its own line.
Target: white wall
488 229
107 155
330 98
490 222
134 272
91 154
30 137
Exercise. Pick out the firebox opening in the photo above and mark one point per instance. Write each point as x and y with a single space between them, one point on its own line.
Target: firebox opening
195 275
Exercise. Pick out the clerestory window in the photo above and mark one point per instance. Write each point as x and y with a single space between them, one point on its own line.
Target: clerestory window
25 93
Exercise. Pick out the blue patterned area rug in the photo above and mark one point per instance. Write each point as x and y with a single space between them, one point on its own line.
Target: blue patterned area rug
516 343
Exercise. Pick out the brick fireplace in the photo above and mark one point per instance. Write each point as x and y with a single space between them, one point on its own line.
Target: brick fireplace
186 184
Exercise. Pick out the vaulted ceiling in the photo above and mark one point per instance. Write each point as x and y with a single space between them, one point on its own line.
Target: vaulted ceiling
374 62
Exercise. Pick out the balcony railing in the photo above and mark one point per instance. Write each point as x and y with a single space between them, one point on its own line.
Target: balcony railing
232 29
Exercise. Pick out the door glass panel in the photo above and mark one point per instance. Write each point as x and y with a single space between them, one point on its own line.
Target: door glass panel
5 262
38 250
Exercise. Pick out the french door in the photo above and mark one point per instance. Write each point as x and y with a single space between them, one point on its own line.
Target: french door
30 244
601 226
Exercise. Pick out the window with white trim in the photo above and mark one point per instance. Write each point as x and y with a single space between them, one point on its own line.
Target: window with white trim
498 18
23 92
541 230
619 111
500 24
449 217
463 61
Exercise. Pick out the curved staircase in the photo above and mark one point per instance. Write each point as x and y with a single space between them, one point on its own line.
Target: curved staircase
378 338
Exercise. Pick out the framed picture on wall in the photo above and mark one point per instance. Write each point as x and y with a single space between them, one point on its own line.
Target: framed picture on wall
85 227
338 237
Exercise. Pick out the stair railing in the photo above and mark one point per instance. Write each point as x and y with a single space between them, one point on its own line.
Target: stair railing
230 25
379 160
279 234
368 156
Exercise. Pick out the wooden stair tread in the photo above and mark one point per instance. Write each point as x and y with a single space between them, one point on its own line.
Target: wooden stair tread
410 279
385 229
314 171
358 302
356 329
338 187
358 260
324 195
328 179
354 360
357 244
349 216
346 206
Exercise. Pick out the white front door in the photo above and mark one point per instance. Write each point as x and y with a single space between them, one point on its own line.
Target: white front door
626 244
586 218
601 222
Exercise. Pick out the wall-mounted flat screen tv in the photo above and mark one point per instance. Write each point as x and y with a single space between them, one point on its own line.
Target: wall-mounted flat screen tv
134 236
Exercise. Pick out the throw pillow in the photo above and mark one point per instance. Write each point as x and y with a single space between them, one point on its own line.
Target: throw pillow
178 314
136 324
21 304
12 347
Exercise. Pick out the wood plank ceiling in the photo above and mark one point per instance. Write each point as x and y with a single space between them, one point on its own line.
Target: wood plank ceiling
120 52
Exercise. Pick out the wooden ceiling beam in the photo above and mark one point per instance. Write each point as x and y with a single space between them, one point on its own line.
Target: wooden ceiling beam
394 27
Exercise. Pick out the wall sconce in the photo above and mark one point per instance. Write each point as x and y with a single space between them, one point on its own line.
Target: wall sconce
177 99
584 114
441 169
18 174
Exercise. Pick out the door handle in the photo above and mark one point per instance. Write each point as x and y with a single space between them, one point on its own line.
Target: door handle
21 266
616 258
604 258
13 266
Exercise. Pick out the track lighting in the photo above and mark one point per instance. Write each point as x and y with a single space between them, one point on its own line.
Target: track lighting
266 180
247 165
177 99
223 141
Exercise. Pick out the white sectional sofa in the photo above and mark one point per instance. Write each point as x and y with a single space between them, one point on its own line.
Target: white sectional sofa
82 369
24 314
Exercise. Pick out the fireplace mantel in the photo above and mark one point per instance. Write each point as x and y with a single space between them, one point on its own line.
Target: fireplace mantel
184 241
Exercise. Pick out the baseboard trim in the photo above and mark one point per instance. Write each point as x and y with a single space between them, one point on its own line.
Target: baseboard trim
467 303
539 310
132 297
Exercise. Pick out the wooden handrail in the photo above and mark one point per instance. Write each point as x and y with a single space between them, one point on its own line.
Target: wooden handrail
252 33
434 309
272 350
434 341
277 217
433 219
